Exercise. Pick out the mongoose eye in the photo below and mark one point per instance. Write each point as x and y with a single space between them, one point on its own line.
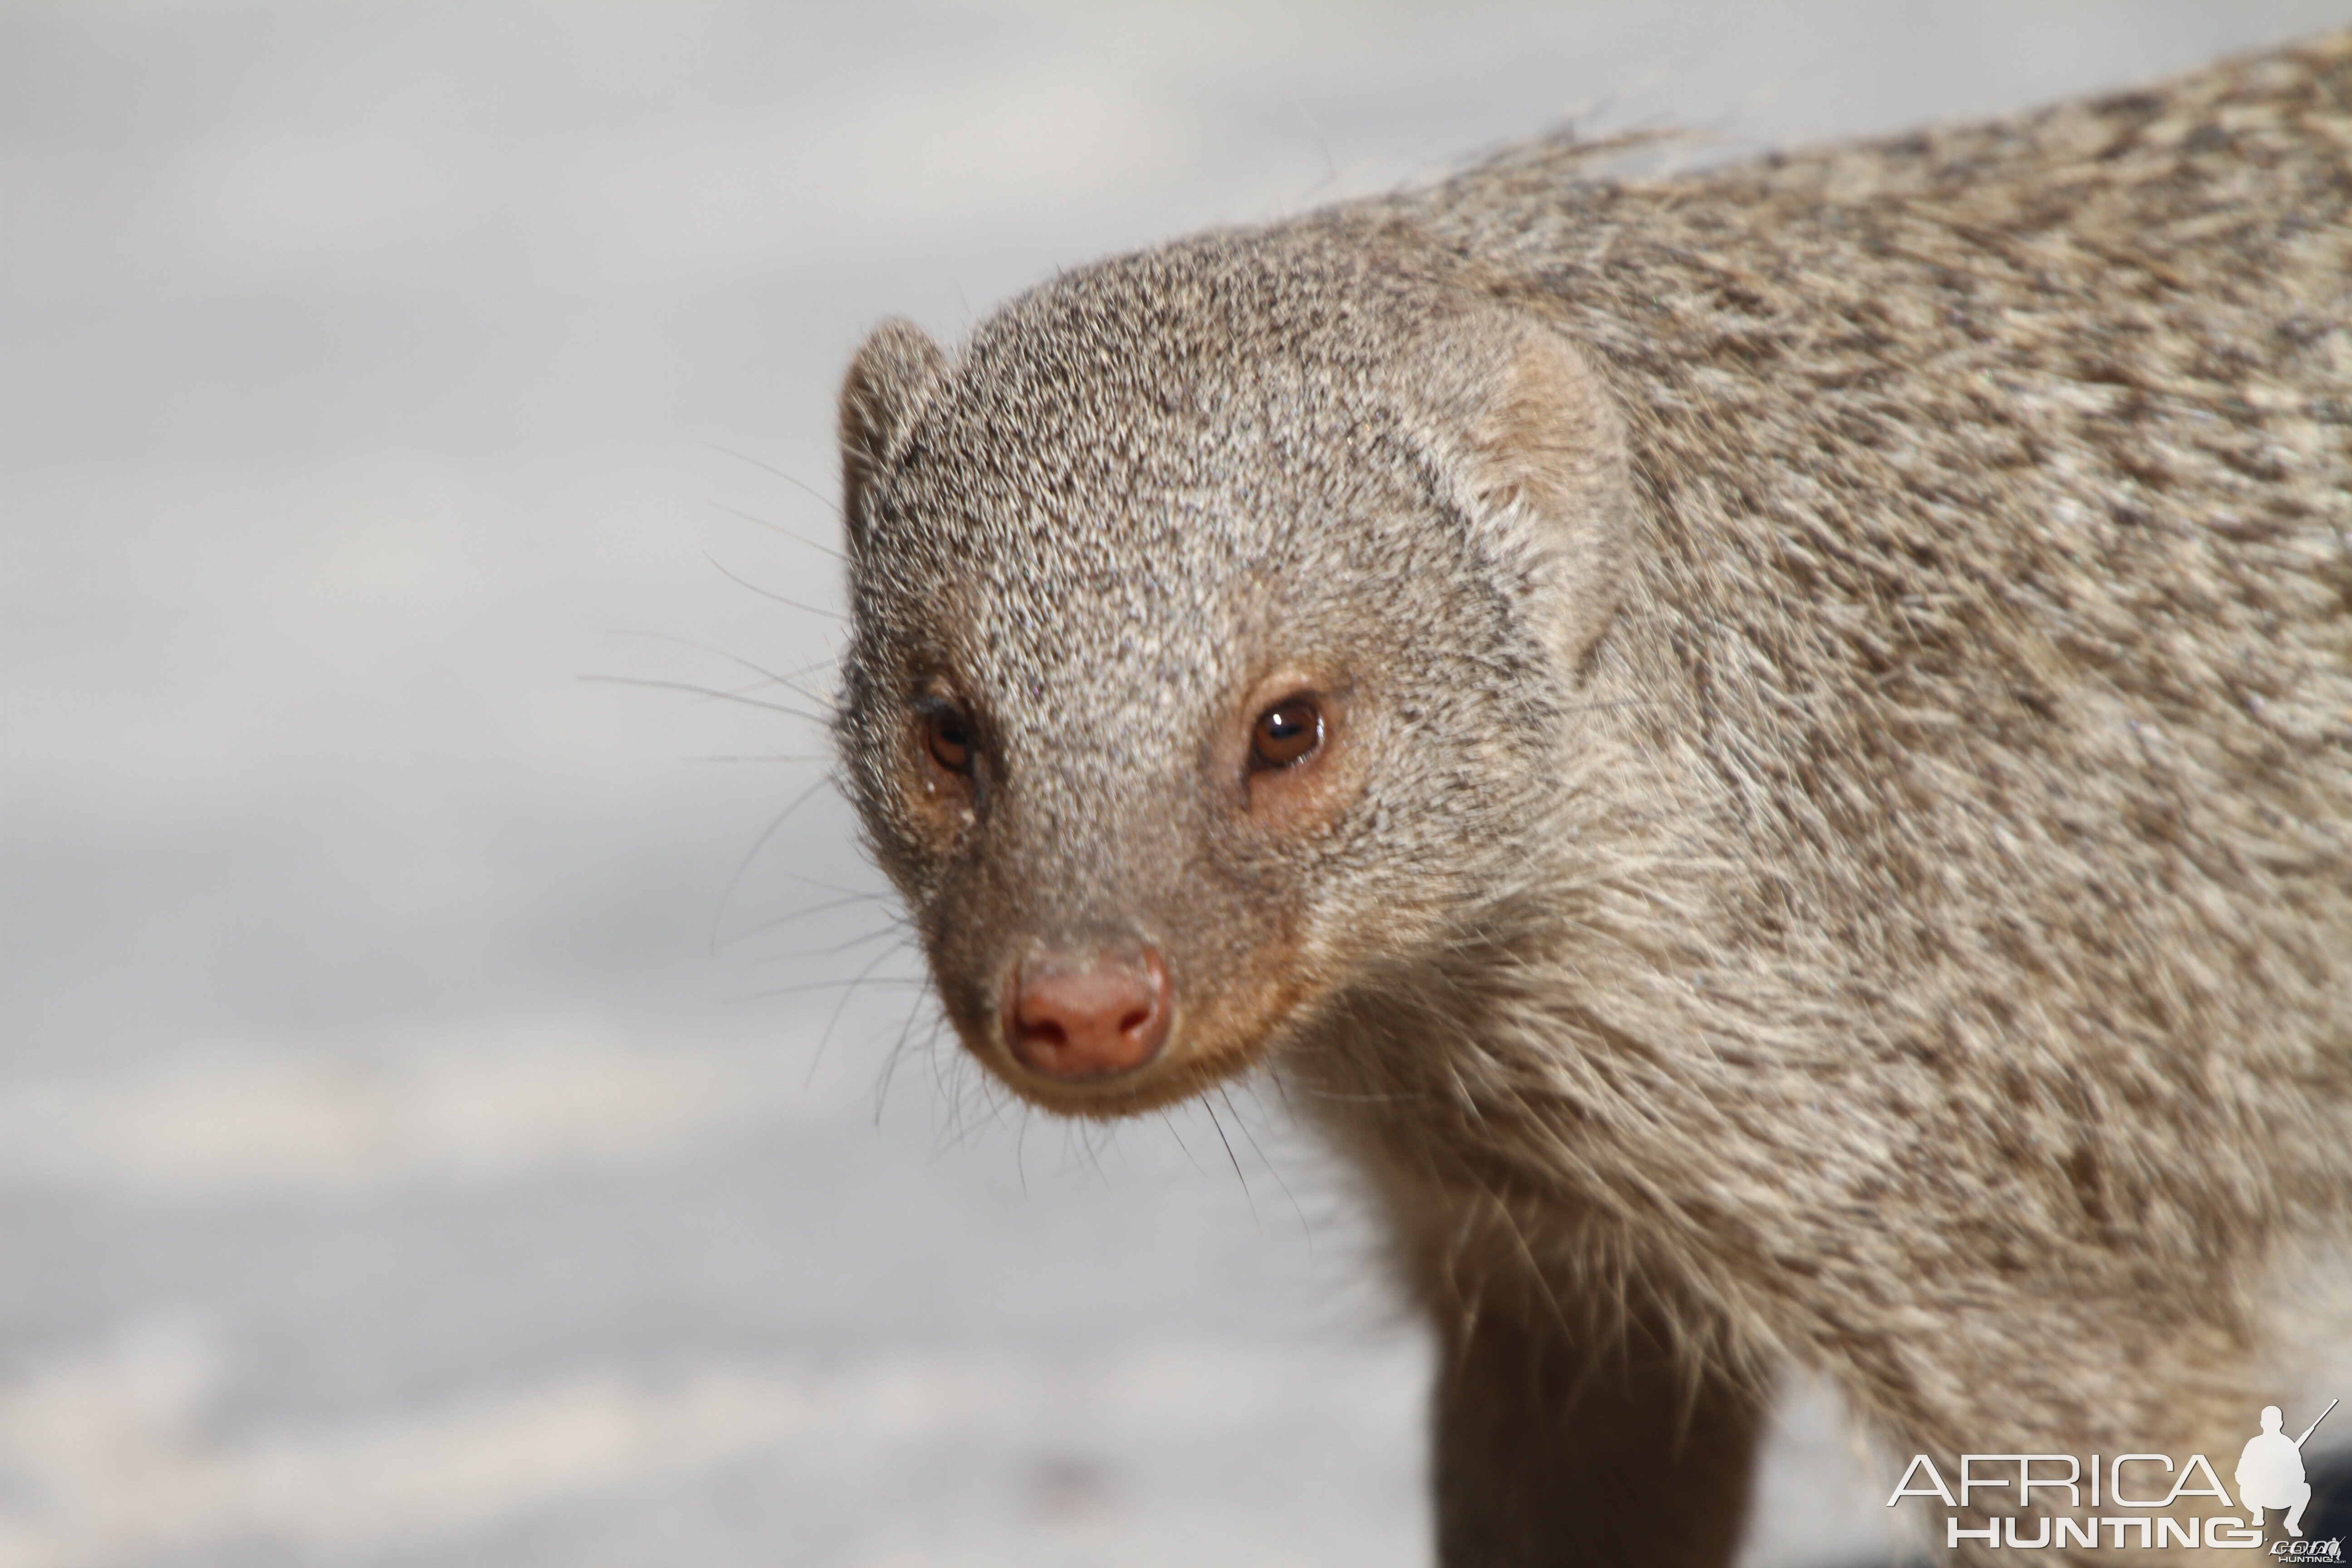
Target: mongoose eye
947 734
1287 733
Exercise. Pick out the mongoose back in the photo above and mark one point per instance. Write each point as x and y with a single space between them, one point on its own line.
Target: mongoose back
1770 751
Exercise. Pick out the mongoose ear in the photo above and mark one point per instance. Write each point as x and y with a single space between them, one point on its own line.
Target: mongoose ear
1551 445
887 382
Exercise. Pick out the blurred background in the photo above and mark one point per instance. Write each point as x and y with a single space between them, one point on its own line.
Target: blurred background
462 1097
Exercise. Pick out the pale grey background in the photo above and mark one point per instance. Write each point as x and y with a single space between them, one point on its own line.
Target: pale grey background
389 1171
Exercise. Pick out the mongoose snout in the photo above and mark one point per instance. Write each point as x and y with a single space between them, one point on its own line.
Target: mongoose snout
1087 1014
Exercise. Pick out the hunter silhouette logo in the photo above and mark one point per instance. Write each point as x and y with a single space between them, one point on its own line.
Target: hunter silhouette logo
2270 1474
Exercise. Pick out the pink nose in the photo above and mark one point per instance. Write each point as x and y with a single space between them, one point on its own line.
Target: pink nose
1082 1016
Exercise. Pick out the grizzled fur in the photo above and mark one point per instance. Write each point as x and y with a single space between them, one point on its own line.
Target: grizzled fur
1835 844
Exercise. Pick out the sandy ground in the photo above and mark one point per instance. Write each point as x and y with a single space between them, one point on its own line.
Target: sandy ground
437 1124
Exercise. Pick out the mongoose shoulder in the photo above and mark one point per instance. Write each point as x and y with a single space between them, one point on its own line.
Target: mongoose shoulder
1771 751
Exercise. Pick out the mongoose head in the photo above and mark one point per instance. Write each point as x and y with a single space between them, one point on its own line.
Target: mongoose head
1217 616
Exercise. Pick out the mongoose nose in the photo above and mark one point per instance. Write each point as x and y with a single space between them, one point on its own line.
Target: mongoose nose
1082 1016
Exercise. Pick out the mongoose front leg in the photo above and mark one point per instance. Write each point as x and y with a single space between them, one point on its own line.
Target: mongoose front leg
1590 1446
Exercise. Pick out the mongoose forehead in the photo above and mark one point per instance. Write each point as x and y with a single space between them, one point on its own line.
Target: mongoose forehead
1167 435
1771 751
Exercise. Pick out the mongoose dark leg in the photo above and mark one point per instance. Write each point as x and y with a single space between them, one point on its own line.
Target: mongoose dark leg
1555 1446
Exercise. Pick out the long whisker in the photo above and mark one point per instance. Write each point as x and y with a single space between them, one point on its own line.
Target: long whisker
898 929
1169 1118
743 581
774 991
830 505
700 646
735 880
1271 1169
781 759
711 691
830 1024
1246 1196
898 1051
778 921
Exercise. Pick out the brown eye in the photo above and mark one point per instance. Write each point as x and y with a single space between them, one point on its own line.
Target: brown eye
947 734
1287 733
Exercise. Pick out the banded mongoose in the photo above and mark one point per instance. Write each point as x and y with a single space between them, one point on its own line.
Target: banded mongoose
1769 751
